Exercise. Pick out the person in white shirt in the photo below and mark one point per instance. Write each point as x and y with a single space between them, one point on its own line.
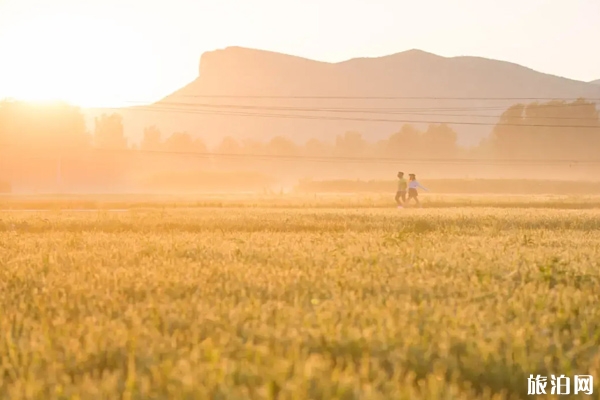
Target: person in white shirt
413 184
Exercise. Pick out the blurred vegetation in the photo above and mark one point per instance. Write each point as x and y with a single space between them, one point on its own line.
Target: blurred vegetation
458 186
265 302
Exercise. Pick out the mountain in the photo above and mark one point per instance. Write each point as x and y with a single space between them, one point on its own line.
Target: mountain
596 82
425 83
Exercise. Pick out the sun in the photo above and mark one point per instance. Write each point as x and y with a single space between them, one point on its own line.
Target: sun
83 61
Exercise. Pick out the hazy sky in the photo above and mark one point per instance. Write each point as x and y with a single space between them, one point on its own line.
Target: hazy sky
110 52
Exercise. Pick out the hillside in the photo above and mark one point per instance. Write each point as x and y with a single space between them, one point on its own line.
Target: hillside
240 72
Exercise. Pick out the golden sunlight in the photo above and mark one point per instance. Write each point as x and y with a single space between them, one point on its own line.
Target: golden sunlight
90 63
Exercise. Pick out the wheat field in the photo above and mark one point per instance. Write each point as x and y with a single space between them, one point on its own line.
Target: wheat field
316 300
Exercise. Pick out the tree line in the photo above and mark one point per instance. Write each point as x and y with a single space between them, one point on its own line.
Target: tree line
551 130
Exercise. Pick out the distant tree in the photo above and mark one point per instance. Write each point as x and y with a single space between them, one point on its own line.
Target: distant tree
49 127
252 146
229 146
109 132
406 143
179 142
439 141
282 146
151 140
408 138
351 144
555 129
318 148
199 146
506 138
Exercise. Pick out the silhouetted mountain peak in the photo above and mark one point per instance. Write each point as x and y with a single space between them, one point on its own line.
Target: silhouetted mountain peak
411 80
241 57
415 53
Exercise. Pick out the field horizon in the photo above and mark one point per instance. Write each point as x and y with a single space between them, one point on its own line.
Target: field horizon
288 200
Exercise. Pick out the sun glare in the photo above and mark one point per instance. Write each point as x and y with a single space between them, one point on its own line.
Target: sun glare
89 63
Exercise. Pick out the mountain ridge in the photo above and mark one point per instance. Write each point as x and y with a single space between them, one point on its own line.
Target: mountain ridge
406 53
244 77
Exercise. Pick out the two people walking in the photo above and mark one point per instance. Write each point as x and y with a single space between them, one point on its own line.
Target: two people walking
412 186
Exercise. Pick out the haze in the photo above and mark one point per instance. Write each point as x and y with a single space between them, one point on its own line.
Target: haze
113 53
261 199
271 94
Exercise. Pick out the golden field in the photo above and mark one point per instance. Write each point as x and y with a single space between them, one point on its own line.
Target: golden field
286 297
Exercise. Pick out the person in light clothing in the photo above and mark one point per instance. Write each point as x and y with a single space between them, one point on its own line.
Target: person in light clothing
413 184
401 192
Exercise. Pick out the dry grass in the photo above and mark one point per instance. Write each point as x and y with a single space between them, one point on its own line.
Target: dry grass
296 303
288 201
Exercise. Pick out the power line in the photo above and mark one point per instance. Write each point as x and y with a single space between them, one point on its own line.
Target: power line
79 150
332 118
399 109
385 160
309 158
383 111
